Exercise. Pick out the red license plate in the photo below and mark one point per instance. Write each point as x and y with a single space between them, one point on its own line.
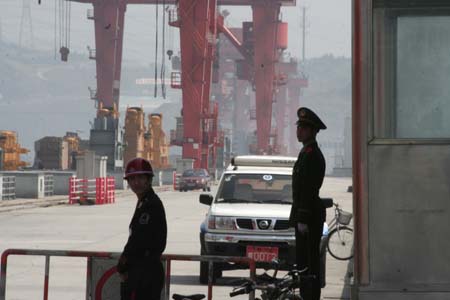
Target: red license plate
265 254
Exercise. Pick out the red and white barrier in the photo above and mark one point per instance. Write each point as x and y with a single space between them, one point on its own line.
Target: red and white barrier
97 283
176 181
100 190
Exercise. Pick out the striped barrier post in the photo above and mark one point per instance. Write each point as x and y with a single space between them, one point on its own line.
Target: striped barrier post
100 190
72 190
111 189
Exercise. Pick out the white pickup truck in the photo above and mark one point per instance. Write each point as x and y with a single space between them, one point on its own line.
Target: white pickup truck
249 215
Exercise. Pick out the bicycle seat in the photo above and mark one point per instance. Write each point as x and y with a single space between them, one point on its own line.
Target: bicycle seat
191 297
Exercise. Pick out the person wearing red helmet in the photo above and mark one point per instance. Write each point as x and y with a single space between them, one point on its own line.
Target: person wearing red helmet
140 265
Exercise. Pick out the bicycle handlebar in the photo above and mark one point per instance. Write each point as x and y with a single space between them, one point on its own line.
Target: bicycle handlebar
243 289
238 292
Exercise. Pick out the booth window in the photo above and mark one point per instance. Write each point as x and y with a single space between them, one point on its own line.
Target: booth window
411 65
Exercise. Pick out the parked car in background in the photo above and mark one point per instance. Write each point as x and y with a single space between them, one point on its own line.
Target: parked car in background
194 179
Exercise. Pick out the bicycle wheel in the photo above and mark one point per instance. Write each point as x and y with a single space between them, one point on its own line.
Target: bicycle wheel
340 243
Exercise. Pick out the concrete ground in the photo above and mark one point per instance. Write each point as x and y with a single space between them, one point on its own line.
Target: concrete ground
52 224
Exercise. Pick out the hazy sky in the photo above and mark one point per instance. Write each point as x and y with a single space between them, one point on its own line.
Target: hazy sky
328 27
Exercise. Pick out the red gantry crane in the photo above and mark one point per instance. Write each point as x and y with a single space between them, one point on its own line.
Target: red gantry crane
199 23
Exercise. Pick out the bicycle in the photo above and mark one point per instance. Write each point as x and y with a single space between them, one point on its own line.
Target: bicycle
273 288
340 238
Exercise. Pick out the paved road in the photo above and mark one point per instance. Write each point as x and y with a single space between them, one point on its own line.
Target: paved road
105 228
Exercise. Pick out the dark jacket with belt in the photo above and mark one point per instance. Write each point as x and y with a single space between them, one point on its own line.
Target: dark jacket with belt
148 234
307 179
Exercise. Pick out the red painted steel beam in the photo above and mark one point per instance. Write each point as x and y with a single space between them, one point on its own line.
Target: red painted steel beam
265 24
198 19
233 39
210 123
118 54
109 23
361 13
219 2
281 119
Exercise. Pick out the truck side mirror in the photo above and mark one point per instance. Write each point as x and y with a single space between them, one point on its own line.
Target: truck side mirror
327 202
206 199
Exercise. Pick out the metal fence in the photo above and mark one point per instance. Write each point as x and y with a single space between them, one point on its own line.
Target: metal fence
94 286
100 190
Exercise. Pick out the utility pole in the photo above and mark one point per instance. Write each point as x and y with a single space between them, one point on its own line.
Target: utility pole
26 26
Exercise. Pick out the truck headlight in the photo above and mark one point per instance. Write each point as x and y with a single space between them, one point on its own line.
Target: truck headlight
221 223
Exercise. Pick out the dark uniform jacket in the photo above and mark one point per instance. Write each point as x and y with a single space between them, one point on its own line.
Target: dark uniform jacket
148 234
307 178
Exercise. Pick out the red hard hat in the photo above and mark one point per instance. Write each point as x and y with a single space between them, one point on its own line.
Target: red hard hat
138 166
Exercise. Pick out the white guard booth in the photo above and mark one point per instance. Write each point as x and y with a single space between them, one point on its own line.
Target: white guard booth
401 149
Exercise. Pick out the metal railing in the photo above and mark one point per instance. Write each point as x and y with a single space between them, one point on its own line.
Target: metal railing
100 190
173 15
97 295
175 80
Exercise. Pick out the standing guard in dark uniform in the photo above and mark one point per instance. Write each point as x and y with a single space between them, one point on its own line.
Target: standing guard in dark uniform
140 265
307 212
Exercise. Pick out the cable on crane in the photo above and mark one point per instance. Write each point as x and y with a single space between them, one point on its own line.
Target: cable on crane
163 56
156 49
69 24
63 16
60 23
56 30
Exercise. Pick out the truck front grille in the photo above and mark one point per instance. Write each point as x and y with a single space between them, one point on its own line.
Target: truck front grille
281 225
244 223
248 224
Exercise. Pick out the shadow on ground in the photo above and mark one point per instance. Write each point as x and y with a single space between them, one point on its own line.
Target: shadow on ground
193 280
346 291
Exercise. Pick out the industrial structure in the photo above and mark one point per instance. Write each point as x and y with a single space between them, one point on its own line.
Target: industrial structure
400 120
51 153
59 153
10 151
261 46
156 145
148 142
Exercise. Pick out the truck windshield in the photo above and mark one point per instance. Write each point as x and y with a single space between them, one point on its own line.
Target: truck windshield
257 188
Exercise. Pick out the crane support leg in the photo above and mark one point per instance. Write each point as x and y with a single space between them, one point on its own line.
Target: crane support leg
265 24
281 118
109 27
197 38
